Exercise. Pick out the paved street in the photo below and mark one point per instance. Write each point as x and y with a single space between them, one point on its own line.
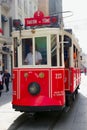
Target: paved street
74 119
7 114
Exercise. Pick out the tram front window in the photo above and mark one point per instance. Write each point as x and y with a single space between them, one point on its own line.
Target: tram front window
34 53
29 55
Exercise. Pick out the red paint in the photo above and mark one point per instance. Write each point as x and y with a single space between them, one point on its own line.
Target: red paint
52 87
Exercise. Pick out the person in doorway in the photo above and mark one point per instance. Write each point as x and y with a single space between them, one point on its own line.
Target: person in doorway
6 78
29 57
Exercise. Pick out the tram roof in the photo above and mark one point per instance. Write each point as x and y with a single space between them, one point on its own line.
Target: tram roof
45 31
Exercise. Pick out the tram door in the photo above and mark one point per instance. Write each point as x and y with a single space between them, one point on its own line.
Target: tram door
67 45
57 71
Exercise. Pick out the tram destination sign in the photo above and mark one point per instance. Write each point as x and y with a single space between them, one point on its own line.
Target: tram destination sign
37 21
40 19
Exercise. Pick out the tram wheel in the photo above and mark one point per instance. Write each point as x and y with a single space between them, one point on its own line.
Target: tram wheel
69 100
76 91
74 96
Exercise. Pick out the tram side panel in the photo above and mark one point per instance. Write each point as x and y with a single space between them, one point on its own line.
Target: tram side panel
58 86
15 86
72 79
67 79
75 77
51 91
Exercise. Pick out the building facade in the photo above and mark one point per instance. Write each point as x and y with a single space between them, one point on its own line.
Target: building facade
52 7
43 5
55 8
9 10
5 39
20 9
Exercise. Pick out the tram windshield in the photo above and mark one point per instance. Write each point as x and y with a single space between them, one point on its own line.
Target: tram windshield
34 51
39 51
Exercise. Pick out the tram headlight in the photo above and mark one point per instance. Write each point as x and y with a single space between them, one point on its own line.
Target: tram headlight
34 88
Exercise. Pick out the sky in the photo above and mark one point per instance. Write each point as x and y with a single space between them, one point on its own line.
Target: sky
77 21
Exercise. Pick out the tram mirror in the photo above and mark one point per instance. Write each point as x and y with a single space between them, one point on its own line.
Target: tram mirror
17 24
67 41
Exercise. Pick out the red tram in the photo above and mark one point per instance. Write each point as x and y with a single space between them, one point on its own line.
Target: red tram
52 83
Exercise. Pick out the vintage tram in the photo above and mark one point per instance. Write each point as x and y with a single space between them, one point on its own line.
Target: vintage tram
53 83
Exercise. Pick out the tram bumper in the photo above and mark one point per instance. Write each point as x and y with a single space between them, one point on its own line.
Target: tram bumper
41 103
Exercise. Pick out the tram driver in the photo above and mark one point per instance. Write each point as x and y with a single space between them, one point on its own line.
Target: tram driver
29 57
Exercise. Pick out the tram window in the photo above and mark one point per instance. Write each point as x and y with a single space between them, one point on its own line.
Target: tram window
68 41
53 50
60 50
60 55
15 53
66 56
75 56
41 48
67 45
27 51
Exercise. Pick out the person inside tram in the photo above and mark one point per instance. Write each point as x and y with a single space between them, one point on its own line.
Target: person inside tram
29 57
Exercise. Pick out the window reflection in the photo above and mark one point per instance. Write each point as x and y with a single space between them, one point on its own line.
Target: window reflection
38 55
41 46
